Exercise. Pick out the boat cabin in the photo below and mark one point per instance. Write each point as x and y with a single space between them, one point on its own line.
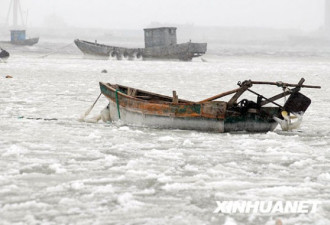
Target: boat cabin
17 35
161 36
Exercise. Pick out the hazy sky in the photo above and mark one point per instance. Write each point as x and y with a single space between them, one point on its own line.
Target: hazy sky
136 14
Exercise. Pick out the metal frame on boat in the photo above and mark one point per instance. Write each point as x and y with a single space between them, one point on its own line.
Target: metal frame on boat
142 108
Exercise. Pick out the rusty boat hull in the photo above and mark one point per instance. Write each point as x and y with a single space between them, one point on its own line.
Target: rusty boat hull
140 108
183 52
95 49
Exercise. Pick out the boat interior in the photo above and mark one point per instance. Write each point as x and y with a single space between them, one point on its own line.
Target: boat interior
148 96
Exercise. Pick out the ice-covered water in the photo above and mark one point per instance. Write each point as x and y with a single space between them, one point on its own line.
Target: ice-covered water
68 172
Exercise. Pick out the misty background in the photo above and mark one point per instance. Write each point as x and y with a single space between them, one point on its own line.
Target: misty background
224 24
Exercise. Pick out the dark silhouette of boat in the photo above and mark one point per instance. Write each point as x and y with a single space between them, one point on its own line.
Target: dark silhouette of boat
4 55
160 43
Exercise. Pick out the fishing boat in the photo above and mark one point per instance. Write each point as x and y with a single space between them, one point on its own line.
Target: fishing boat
17 31
142 108
4 55
24 41
160 44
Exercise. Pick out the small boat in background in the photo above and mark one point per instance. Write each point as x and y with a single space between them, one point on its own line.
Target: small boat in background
18 38
141 108
18 31
4 55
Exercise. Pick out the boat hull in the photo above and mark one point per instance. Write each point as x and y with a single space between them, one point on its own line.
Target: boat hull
183 52
131 117
28 42
94 49
209 116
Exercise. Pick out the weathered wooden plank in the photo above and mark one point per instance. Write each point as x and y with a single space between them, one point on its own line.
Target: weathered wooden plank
175 97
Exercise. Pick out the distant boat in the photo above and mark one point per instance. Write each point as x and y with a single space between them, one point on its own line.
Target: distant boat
160 44
142 108
18 33
4 55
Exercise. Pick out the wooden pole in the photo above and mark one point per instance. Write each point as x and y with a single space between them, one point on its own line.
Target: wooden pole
220 95
15 11
175 97
268 100
238 94
281 84
82 118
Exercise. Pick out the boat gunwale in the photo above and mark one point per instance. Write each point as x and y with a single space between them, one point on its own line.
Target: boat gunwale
183 101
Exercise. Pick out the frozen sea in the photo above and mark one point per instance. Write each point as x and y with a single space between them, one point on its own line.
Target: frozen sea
69 172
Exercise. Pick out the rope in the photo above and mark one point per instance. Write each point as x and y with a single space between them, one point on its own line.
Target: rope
90 109
117 102
44 56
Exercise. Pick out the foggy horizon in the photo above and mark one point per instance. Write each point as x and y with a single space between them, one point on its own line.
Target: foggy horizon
303 15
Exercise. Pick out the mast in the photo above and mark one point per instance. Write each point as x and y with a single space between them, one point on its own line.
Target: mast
20 11
15 5
327 15
8 14
15 12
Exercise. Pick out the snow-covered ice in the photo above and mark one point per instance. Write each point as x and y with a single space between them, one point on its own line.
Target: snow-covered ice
68 172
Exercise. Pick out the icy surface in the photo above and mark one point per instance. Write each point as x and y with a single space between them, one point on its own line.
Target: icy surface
68 172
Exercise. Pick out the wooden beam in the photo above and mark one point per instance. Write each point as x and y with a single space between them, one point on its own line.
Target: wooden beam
285 93
220 95
238 94
281 84
274 98
175 97
131 92
300 83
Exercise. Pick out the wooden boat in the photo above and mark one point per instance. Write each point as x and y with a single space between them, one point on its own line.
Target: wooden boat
160 44
141 108
4 55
